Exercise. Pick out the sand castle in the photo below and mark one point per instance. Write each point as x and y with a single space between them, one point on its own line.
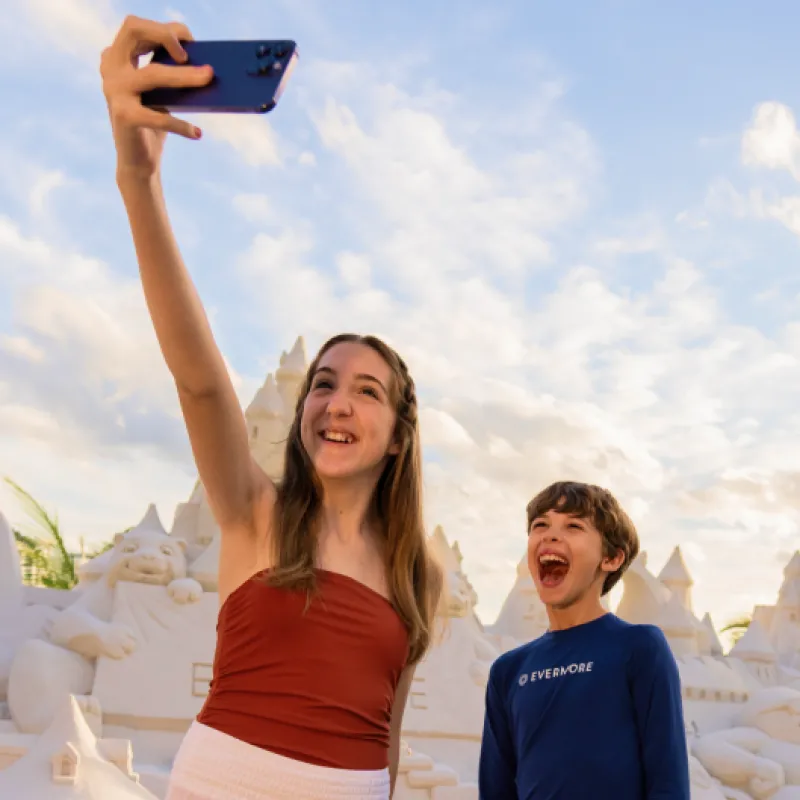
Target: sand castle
98 684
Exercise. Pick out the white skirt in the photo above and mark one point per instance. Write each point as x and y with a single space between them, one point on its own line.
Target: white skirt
211 765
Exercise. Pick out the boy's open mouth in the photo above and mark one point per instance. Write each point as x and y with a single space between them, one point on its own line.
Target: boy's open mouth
553 568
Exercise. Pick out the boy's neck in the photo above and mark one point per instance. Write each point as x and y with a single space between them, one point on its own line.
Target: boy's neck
587 609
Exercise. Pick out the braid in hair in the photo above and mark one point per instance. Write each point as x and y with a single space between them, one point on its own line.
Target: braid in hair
407 407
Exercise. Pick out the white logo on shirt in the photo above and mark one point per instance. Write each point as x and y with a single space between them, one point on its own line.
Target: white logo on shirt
554 672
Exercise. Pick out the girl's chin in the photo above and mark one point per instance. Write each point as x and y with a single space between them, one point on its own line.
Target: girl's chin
335 475
328 470
336 468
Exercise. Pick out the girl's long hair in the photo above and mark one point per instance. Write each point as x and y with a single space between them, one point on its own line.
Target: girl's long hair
415 580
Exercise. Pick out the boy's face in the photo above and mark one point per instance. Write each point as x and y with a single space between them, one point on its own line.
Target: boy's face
565 557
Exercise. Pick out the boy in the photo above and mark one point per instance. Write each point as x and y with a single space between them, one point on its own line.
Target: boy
591 709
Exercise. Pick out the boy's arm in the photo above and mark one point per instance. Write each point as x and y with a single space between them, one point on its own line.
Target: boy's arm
497 768
658 705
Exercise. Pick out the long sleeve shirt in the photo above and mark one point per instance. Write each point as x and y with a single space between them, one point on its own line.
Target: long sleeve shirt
590 711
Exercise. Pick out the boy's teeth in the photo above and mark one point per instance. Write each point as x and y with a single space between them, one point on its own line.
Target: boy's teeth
550 558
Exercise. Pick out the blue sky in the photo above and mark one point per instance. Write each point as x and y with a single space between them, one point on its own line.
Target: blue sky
578 222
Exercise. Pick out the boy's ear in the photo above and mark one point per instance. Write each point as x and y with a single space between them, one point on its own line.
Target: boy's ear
613 563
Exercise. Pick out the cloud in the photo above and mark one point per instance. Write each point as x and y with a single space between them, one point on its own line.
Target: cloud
643 235
437 229
254 207
178 16
769 143
80 28
43 187
250 136
772 140
354 269
83 353
785 210
442 212
23 348
94 495
441 430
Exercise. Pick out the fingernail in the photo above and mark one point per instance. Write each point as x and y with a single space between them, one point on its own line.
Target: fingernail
196 133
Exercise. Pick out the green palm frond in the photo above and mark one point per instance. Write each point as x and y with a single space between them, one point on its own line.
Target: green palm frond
32 557
26 542
737 628
738 624
44 541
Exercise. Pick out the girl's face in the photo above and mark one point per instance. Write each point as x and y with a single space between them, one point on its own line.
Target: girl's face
348 417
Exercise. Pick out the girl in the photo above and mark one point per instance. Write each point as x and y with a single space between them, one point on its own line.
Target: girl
327 591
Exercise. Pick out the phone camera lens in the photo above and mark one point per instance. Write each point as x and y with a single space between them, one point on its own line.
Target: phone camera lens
266 66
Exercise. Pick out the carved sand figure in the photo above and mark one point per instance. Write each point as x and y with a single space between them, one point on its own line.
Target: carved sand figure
761 755
46 670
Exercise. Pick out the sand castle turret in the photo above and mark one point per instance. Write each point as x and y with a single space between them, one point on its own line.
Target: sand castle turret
267 427
290 374
675 576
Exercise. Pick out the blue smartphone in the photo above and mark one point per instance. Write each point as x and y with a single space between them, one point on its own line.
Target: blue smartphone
249 77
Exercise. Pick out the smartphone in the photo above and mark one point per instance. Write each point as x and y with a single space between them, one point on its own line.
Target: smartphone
249 77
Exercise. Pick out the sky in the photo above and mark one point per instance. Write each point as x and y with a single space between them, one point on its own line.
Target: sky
578 222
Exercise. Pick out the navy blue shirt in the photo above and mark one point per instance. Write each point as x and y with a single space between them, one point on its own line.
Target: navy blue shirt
593 711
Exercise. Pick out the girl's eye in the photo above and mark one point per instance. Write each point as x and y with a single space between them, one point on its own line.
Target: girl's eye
322 384
370 391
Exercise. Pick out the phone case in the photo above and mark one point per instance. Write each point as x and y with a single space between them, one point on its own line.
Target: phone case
249 77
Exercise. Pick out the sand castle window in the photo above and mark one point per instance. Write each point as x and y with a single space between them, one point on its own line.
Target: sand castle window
65 765
419 695
201 679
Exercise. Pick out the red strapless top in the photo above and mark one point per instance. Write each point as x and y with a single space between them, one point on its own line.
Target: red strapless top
317 685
